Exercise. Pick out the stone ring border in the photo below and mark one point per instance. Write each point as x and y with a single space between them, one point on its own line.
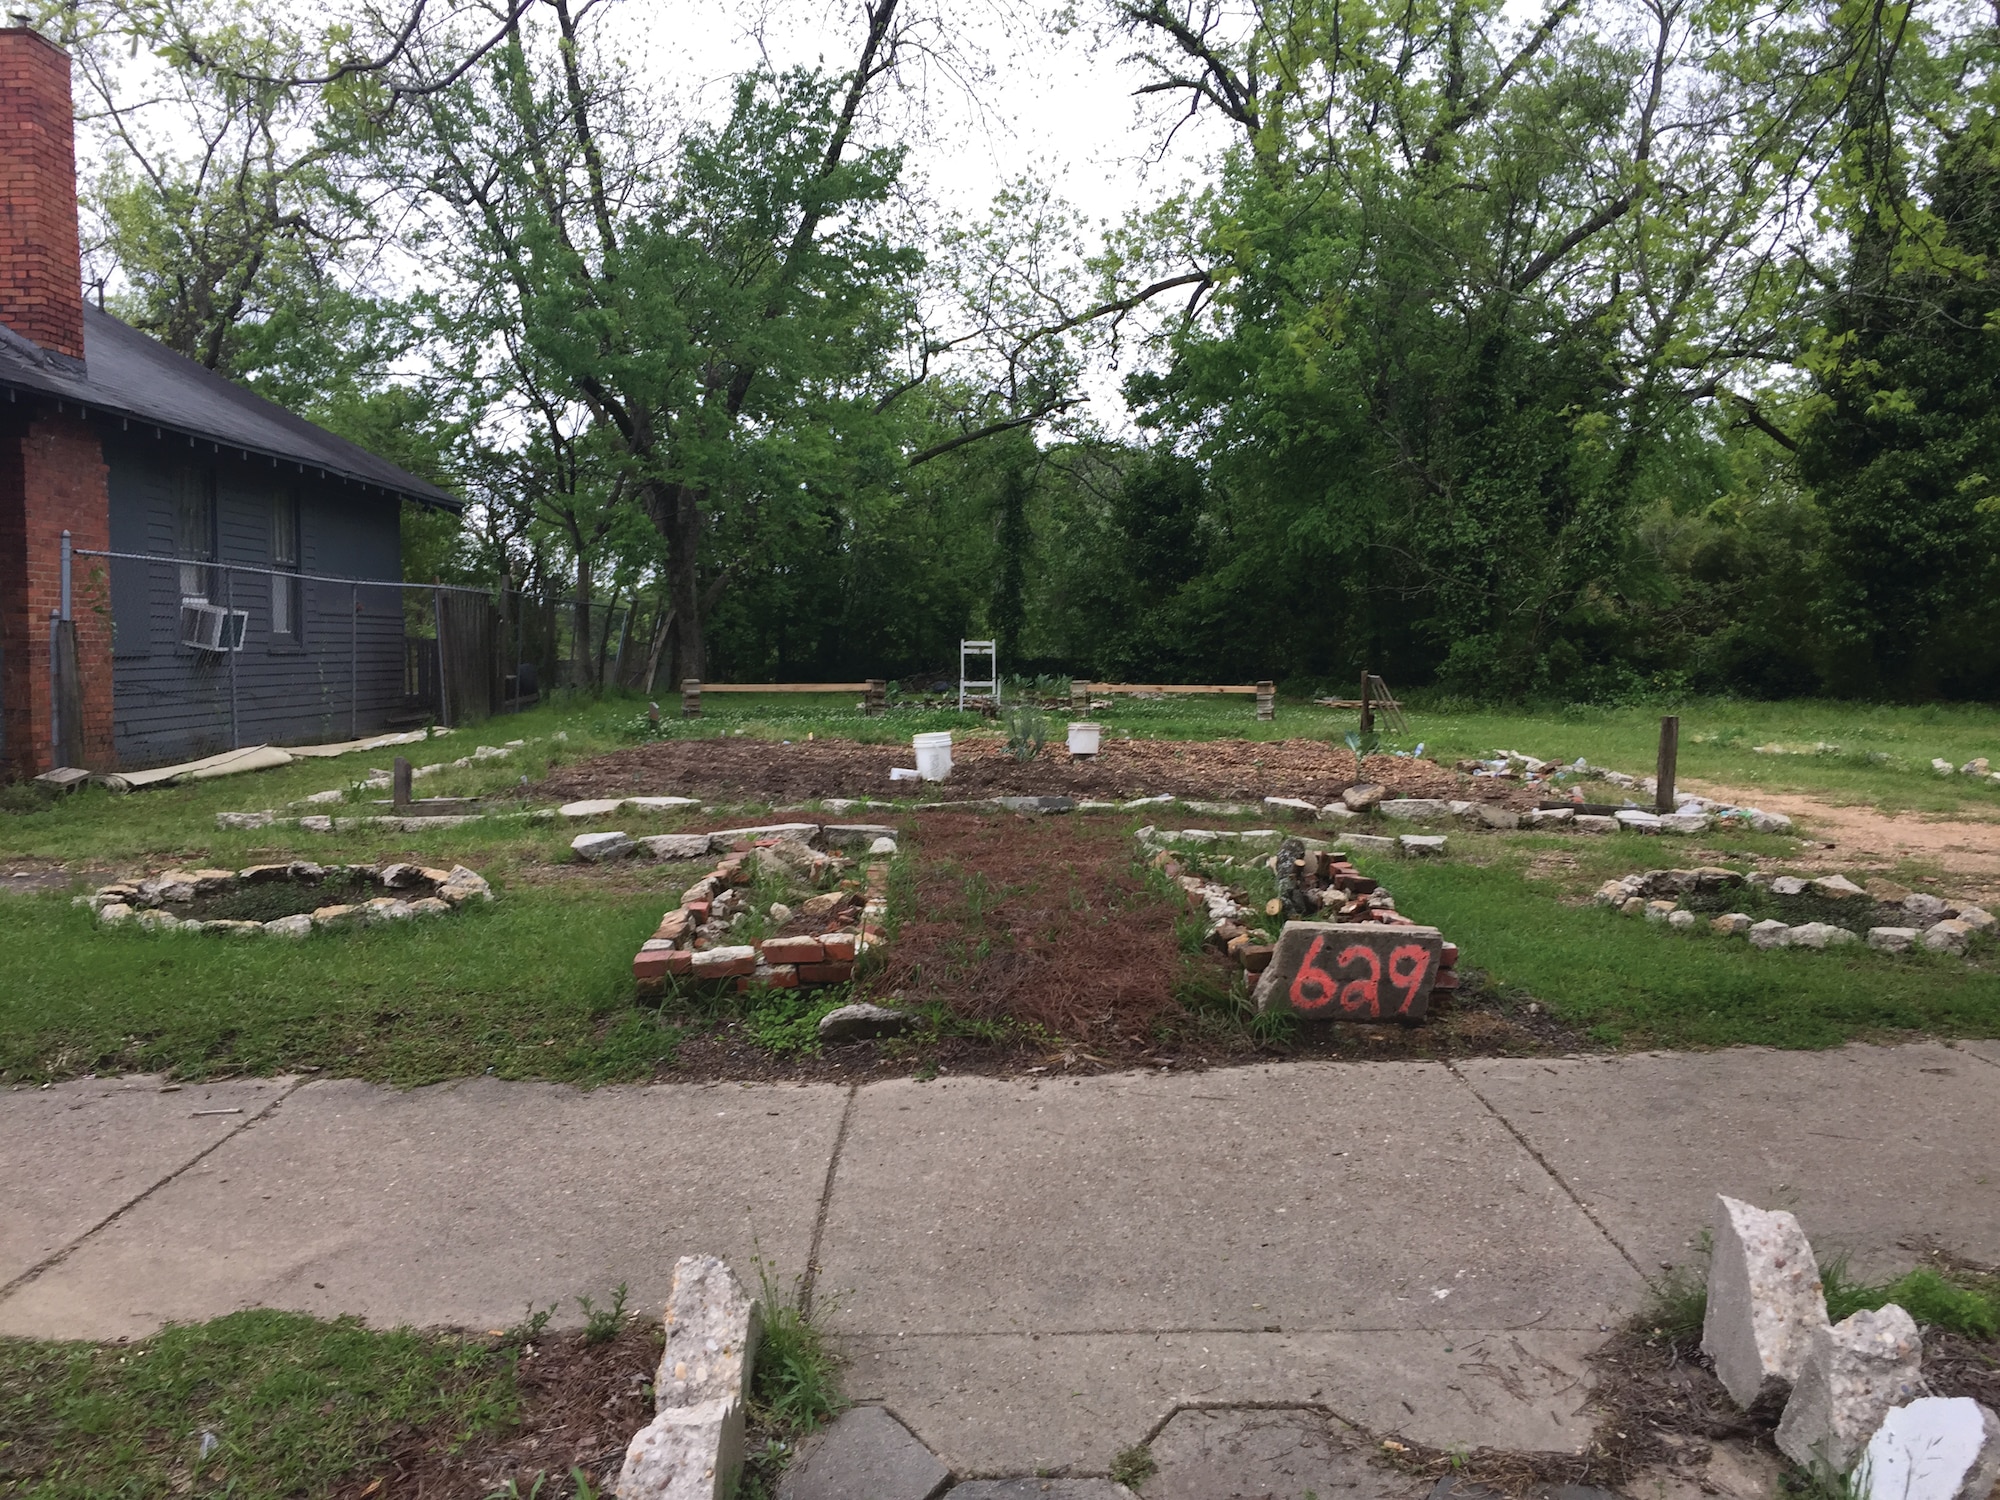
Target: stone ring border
425 892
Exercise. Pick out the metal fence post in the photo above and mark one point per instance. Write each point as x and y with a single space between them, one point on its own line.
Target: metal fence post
354 661
229 639
65 574
437 624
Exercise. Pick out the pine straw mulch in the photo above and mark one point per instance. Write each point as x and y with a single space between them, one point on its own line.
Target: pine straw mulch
580 1405
1240 770
1044 948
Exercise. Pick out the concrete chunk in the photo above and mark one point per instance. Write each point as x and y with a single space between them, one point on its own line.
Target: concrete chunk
805 833
712 1327
1764 1300
865 1455
1838 887
462 885
1686 822
685 1453
1936 1448
1770 933
1550 817
860 1023
1369 843
596 848
1854 1373
1893 939
1487 815
1422 846
1594 823
1633 820
662 804
676 845
1948 936
1042 1489
1298 805
1820 935
1414 809
593 807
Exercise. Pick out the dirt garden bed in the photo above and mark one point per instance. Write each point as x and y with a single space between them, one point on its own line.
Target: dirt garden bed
738 766
1045 944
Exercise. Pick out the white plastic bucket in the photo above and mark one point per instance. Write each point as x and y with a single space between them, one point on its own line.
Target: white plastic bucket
1083 738
933 755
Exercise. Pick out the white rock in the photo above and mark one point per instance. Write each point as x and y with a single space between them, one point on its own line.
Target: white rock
1292 805
334 795
1686 822
1370 843
1820 935
676 845
1770 933
1839 887
156 920
1633 820
1413 809
1488 815
1948 936
1612 893
722 958
290 927
1936 1448
317 823
1976 917
1421 846
1764 1299
884 846
1595 823
1161 800
1337 812
1853 1374
1940 765
1458 808
595 848
1545 817
1978 766
1789 885
712 1328
779 913
1659 911
385 909
462 885
594 807
114 912
662 804
246 819
429 906
1893 939
1731 924
1681 920
1926 908
1763 822
685 1453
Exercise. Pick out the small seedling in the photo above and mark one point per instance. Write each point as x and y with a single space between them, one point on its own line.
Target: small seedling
1363 745
601 1324
1134 1466
1027 731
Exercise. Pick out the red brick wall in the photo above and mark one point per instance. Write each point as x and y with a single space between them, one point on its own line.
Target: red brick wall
41 273
52 476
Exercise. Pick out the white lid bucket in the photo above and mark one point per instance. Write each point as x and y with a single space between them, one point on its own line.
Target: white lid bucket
933 755
1084 738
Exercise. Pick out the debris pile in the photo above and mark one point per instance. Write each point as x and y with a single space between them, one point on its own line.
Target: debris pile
1855 1403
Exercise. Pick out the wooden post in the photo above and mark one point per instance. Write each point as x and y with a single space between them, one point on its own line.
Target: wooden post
400 783
876 698
690 697
1670 749
1367 710
1267 701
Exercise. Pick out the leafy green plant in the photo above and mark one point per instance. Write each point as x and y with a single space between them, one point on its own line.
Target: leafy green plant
1363 745
601 1324
1027 730
1924 1294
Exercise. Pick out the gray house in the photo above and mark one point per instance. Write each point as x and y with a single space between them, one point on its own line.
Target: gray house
218 592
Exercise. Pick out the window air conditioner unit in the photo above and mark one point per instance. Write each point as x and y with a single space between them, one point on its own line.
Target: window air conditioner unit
209 627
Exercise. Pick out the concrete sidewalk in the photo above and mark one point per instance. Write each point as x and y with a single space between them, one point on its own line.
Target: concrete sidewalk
1034 1275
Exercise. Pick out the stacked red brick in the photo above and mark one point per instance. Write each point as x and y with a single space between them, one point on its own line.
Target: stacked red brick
785 963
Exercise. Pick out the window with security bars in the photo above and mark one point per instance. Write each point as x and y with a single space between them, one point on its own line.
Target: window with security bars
194 532
284 563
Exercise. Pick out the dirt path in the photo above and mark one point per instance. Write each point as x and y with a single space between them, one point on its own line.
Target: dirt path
1964 847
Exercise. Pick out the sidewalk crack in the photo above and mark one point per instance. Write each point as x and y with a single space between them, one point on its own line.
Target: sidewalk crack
1554 1176
58 1257
810 1280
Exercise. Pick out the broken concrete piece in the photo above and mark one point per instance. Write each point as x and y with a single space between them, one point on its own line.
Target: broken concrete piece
1820 935
1369 843
1337 812
1925 908
1764 1300
712 1328
1789 885
1977 918
883 846
1634 820
861 1023
1487 815
676 845
1686 822
462 885
1422 846
1839 887
1594 823
596 848
1297 805
662 804
290 927
1936 1448
1854 1373
685 1453
1414 809
594 807
1681 921
1948 936
1545 817
854 835
865 1455
1770 933
1893 939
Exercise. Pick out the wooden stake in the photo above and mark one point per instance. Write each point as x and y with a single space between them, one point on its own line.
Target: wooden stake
400 782
1670 749
1367 712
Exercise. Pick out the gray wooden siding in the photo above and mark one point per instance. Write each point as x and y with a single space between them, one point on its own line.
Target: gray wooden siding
172 702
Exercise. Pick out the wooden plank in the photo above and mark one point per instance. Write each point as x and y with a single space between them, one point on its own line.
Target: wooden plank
784 687
1168 687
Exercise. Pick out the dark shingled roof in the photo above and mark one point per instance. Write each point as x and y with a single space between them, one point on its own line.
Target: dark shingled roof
126 374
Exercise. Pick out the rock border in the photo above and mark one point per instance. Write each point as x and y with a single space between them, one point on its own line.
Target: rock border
1944 928
425 892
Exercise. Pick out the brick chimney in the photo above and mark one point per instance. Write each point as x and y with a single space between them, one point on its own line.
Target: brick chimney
41 271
